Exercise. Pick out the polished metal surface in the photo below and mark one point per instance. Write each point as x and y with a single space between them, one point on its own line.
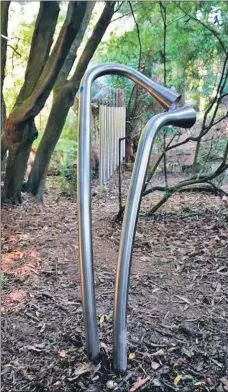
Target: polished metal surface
167 98
185 118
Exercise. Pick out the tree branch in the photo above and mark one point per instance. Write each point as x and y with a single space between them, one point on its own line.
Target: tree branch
10 46
92 44
4 31
186 183
214 32
157 164
211 189
121 17
119 6
181 187
138 35
40 47
72 55
32 106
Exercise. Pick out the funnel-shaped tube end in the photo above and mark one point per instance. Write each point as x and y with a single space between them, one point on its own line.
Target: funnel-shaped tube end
184 117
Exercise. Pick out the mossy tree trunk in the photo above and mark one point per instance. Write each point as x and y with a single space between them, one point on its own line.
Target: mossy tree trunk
42 71
4 33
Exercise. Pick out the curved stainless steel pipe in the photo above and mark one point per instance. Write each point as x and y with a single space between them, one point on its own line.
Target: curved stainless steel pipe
184 117
167 98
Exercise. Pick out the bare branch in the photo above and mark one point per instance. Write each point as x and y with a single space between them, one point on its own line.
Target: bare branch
170 191
14 50
138 35
212 189
119 6
157 164
121 17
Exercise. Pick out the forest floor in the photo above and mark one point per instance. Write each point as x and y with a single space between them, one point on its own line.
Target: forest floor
178 302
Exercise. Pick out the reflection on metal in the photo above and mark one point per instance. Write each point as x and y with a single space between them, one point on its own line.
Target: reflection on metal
184 117
167 98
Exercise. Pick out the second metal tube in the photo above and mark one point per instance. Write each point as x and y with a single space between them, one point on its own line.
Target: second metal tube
184 117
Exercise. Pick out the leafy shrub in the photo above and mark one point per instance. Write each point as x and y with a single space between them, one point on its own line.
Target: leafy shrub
68 175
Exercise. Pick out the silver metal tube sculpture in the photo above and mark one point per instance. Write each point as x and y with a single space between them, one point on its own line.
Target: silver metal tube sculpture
167 98
184 117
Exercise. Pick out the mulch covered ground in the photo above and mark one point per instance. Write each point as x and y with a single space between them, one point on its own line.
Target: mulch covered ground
178 303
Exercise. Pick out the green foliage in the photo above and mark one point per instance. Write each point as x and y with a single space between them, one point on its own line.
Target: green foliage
6 279
193 54
70 129
210 158
17 59
68 175
63 162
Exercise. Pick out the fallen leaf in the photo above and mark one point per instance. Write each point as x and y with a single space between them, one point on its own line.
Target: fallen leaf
177 380
111 384
155 365
197 383
15 296
105 347
110 314
158 353
183 299
38 348
62 354
139 383
217 363
28 376
156 289
156 382
131 355
224 381
85 368
188 353
102 318
57 383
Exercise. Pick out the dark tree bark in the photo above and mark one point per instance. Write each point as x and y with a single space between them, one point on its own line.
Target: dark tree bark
57 117
40 47
4 31
64 94
20 130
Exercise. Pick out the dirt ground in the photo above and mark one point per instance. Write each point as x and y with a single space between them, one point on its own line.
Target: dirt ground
178 302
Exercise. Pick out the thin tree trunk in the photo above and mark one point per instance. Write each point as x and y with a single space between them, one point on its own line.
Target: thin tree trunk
63 100
3 141
55 123
3 114
17 160
4 31
20 130
194 165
